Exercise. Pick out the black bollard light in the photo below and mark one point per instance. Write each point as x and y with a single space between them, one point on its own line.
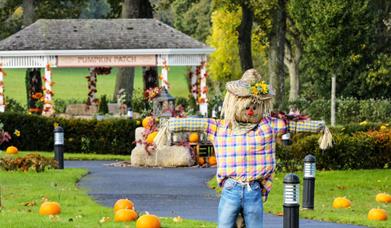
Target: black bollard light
291 201
286 139
309 182
59 146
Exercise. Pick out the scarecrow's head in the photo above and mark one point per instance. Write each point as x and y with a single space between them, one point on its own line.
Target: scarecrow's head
247 100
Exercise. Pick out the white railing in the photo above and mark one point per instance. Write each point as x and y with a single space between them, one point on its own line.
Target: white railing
27 61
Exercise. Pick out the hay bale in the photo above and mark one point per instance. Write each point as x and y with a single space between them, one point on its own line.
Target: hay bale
166 156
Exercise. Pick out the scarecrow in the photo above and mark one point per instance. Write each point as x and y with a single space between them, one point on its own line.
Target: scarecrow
244 142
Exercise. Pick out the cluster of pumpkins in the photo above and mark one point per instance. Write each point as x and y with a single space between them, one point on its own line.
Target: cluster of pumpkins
376 214
123 212
11 150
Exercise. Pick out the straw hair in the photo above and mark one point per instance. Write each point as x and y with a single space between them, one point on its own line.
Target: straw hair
233 104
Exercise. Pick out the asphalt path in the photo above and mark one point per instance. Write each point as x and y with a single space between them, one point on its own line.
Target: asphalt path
166 192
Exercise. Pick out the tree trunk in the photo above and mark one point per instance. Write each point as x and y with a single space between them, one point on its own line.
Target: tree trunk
125 75
28 12
292 61
244 39
333 99
276 54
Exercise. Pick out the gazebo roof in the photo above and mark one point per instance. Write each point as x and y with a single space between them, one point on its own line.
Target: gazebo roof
98 34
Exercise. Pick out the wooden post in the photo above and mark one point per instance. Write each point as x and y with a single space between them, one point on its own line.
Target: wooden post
333 99
204 90
48 106
2 100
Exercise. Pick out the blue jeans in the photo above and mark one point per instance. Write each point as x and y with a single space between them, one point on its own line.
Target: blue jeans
236 197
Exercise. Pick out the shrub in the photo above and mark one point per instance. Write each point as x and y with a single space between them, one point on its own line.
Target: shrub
60 105
14 106
111 136
103 106
32 161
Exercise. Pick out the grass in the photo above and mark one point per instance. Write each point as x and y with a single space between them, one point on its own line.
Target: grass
22 193
360 186
80 156
70 83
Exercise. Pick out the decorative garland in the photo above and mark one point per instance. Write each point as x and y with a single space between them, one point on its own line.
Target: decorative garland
48 92
2 99
193 76
202 74
91 99
164 76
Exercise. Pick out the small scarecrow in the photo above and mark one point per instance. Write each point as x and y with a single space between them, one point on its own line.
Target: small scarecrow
244 142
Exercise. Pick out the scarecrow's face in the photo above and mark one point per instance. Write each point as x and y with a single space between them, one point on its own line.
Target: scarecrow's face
248 112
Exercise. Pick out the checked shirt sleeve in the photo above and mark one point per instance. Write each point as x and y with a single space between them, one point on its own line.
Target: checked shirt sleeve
306 126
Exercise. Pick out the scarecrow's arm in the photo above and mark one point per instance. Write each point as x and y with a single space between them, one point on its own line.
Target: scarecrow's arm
314 126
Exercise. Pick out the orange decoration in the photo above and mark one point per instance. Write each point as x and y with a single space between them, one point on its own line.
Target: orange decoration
148 221
383 198
123 204
341 202
193 137
50 208
212 160
11 150
125 215
201 161
377 214
151 137
147 122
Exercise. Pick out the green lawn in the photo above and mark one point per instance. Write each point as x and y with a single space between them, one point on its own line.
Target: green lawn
79 156
21 194
70 83
360 186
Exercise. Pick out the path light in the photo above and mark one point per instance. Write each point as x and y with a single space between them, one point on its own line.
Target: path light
286 139
309 182
130 113
291 201
59 146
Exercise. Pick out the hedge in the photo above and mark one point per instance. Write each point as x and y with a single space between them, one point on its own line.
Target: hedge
361 150
111 136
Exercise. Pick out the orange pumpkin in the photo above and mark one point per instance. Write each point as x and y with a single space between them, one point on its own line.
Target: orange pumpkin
201 161
383 198
193 137
11 150
212 160
147 122
125 215
341 202
50 208
148 221
377 214
123 204
151 137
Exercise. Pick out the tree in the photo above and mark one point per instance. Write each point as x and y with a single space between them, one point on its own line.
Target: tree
125 75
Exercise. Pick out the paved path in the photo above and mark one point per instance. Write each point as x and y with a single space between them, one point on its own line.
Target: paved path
164 192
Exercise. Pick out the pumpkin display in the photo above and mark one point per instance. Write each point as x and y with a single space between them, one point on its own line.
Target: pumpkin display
148 221
50 208
11 150
341 202
212 160
383 198
147 122
201 160
125 215
151 137
123 204
377 214
193 137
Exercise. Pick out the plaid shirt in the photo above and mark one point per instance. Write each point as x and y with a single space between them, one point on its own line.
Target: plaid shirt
245 157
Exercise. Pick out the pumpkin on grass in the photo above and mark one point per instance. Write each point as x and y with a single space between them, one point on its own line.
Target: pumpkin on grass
377 214
147 121
50 208
212 160
125 215
341 202
148 221
11 150
383 198
123 204
151 137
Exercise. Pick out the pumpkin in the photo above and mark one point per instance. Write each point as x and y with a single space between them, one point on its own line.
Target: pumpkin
148 221
193 137
212 160
151 137
50 208
341 202
123 204
125 215
201 161
11 150
377 214
383 198
147 122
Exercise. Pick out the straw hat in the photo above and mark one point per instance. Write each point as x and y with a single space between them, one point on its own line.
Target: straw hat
250 85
